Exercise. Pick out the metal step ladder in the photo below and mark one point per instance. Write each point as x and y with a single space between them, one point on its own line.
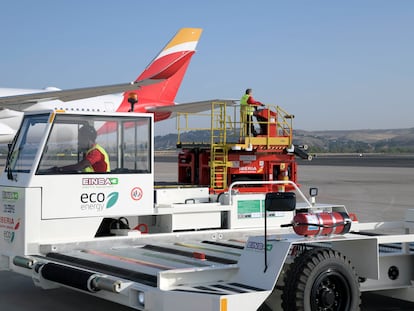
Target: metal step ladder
219 149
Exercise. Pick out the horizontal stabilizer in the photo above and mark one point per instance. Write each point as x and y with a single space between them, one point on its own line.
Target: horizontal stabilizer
193 107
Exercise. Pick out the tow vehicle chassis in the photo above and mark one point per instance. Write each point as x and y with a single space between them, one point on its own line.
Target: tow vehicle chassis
225 269
185 248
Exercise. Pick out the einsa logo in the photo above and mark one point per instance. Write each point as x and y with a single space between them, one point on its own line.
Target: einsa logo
98 201
259 246
99 181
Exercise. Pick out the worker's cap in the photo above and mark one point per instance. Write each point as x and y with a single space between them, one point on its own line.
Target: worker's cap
87 131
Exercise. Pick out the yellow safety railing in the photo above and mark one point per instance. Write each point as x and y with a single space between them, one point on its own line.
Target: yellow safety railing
217 122
273 124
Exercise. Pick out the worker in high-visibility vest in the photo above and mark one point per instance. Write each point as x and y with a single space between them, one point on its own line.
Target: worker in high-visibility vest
95 158
247 107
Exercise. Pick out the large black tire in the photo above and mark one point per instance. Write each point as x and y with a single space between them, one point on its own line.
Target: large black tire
321 280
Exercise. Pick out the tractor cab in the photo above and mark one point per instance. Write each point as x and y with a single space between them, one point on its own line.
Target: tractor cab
41 187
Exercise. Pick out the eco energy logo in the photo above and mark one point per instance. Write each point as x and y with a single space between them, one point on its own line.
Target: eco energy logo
98 201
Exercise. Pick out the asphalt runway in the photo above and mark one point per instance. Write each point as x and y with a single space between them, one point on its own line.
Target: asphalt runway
352 159
366 160
379 192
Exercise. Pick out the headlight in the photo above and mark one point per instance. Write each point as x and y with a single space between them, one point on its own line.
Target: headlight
141 298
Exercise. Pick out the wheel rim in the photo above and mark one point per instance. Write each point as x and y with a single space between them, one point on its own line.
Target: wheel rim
330 292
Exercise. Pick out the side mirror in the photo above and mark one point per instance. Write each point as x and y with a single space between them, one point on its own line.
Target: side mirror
280 201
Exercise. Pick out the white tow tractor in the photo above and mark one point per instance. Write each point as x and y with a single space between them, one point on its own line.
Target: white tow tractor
116 236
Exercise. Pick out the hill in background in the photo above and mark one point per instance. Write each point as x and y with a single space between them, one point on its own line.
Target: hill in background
361 141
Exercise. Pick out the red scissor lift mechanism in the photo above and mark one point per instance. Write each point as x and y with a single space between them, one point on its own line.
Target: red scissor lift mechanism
230 154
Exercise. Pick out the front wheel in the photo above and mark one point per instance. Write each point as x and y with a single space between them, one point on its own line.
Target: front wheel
321 280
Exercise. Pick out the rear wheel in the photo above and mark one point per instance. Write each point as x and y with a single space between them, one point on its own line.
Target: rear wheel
321 280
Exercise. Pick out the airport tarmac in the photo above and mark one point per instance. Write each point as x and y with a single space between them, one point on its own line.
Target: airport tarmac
374 193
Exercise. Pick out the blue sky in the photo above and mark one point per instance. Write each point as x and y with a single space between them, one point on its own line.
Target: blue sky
335 65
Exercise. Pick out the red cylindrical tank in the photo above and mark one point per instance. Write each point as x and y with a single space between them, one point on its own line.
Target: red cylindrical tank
313 224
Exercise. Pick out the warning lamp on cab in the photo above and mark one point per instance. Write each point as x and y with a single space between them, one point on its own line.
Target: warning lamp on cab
132 99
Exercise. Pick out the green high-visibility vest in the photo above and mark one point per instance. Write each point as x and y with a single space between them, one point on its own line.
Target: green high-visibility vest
244 106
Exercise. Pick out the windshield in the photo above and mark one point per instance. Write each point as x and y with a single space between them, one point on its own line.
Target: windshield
26 144
97 144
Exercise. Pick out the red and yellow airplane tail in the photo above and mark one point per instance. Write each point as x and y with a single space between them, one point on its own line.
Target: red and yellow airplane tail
170 64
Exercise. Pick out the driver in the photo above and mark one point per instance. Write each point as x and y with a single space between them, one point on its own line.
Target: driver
96 159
